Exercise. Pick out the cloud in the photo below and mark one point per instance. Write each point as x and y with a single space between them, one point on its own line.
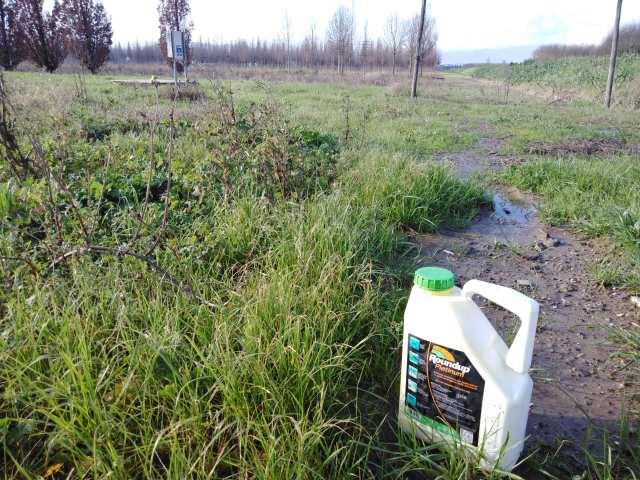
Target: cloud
546 29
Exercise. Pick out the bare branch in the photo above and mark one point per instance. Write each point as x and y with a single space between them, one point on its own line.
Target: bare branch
32 266
119 252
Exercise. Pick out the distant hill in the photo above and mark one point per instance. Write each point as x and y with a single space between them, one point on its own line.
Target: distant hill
488 55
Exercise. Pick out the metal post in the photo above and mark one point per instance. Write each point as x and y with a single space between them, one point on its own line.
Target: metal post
173 57
175 70
614 55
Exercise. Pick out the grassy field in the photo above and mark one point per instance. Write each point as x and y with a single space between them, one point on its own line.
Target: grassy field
214 288
579 77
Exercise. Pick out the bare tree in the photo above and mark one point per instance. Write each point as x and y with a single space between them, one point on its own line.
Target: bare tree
286 34
42 33
411 37
366 50
340 36
174 16
422 41
395 36
10 52
312 43
88 32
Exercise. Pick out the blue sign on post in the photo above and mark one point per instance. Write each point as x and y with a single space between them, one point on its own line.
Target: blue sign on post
177 44
176 51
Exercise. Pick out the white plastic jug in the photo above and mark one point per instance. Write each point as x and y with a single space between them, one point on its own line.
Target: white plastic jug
459 380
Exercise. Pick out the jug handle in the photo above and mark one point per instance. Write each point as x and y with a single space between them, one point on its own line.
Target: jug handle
520 353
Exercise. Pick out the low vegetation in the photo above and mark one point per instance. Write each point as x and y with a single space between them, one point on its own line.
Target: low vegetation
204 298
213 286
572 77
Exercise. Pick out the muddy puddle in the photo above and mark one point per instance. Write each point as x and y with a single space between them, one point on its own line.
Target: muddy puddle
513 217
513 220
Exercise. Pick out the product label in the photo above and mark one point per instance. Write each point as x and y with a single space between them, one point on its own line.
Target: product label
444 390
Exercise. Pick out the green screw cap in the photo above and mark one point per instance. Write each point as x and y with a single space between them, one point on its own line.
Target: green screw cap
434 279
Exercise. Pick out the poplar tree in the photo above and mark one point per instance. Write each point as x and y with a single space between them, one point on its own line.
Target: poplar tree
10 52
395 36
340 36
41 33
88 32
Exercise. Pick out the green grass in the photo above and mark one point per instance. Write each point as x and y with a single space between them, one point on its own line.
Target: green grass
109 371
283 363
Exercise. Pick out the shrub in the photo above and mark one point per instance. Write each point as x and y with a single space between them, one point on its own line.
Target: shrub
189 93
255 150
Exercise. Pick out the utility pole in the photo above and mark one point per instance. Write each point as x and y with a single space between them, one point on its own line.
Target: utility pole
614 55
414 84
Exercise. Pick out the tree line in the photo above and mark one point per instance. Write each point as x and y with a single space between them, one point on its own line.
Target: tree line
629 42
339 47
29 32
82 28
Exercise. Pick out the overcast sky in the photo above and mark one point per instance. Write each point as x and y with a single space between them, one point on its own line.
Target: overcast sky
462 24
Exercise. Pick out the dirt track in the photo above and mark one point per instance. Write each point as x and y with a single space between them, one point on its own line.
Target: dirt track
578 380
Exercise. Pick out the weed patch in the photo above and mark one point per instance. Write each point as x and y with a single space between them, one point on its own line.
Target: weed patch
186 93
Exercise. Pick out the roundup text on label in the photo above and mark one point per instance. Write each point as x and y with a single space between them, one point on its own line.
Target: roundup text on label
452 368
